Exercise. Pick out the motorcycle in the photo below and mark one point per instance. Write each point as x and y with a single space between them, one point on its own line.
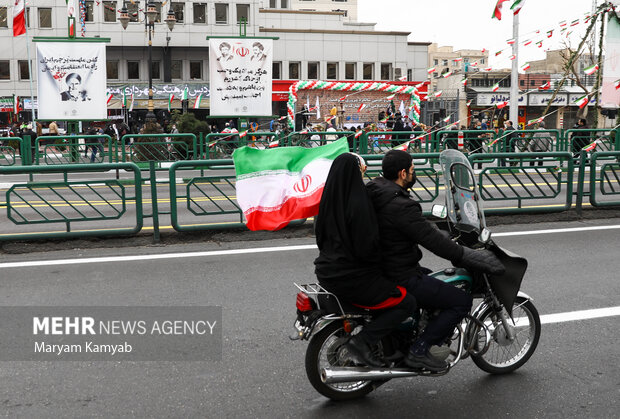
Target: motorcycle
499 335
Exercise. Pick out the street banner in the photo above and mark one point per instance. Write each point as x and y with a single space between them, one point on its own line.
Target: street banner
240 72
72 80
610 97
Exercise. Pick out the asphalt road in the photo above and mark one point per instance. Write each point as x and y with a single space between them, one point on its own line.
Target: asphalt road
574 373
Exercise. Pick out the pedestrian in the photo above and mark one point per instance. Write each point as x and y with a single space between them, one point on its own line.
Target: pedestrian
540 142
509 140
97 144
581 138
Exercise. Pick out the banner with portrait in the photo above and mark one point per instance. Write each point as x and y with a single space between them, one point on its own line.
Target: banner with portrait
240 76
71 80
610 93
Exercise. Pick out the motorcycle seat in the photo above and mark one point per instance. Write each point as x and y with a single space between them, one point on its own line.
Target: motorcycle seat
329 303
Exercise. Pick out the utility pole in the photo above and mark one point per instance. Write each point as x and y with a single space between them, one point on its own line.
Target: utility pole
514 76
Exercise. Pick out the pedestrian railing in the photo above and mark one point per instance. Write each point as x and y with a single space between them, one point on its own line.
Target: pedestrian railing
159 148
380 142
59 150
604 179
74 196
310 139
222 145
10 148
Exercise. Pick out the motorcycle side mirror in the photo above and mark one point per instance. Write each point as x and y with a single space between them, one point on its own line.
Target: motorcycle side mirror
439 211
485 236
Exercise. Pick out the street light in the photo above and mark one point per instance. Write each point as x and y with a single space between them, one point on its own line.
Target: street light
149 25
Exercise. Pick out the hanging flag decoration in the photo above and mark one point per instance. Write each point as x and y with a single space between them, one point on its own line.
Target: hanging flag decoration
528 42
110 96
517 6
464 81
495 87
582 101
539 44
185 94
361 107
243 134
438 93
419 85
403 78
458 60
447 119
469 102
446 75
511 41
550 33
19 18
617 84
274 144
342 99
563 24
535 121
431 70
170 99
403 147
124 104
390 97
131 103
502 105
497 12
498 53
575 22
16 105
590 146
525 67
198 101
591 70
512 57
359 133
488 69
545 86
484 50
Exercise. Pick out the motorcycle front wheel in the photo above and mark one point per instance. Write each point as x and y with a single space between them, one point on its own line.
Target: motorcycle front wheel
325 350
504 356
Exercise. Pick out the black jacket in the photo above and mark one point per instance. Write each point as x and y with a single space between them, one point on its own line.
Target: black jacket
402 227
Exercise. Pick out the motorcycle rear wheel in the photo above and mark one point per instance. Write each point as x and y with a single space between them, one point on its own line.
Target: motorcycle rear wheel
323 351
503 356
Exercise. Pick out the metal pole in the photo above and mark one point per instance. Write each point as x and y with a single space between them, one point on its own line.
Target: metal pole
29 78
514 77
150 27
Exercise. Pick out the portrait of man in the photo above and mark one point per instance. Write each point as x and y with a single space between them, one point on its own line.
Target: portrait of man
258 52
74 90
225 52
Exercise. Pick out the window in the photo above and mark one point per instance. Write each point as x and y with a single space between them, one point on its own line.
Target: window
243 11
398 72
444 62
4 23
90 5
332 71
5 70
466 60
109 11
200 13
24 71
273 4
386 71
133 70
276 70
221 13
45 17
436 62
284 4
132 8
112 69
195 70
313 70
409 74
522 82
155 70
176 69
482 61
367 71
179 11
349 71
340 1
293 70
533 83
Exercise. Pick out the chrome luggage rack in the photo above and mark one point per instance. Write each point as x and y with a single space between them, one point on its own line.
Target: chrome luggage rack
317 289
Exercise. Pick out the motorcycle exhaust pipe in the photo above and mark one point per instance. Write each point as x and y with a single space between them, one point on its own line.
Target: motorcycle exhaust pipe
334 375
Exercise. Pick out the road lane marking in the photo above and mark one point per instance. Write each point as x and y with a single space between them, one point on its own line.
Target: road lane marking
557 230
579 315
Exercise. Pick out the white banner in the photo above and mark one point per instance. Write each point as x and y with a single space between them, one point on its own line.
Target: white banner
72 80
240 76
610 97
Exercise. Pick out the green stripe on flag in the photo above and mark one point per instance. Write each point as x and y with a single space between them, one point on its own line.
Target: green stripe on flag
249 161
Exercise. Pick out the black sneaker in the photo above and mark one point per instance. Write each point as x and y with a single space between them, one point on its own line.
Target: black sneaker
361 353
426 361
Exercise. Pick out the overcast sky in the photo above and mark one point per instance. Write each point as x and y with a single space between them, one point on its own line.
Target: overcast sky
467 24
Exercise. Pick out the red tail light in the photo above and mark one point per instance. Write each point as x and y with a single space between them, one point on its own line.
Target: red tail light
303 302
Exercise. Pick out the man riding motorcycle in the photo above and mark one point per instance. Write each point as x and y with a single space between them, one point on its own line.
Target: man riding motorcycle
402 228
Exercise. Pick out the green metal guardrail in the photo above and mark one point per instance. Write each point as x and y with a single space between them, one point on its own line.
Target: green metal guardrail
158 148
309 139
576 139
67 149
212 195
222 145
523 141
607 178
9 147
380 142
71 202
530 176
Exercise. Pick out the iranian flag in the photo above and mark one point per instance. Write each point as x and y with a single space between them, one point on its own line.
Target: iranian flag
464 81
448 74
274 144
525 67
431 70
170 99
502 105
402 147
511 41
617 84
545 86
527 42
582 101
361 108
390 97
109 98
495 87
131 104
197 101
19 18
497 12
282 184
437 94
124 99
185 94
590 146
591 70
517 6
